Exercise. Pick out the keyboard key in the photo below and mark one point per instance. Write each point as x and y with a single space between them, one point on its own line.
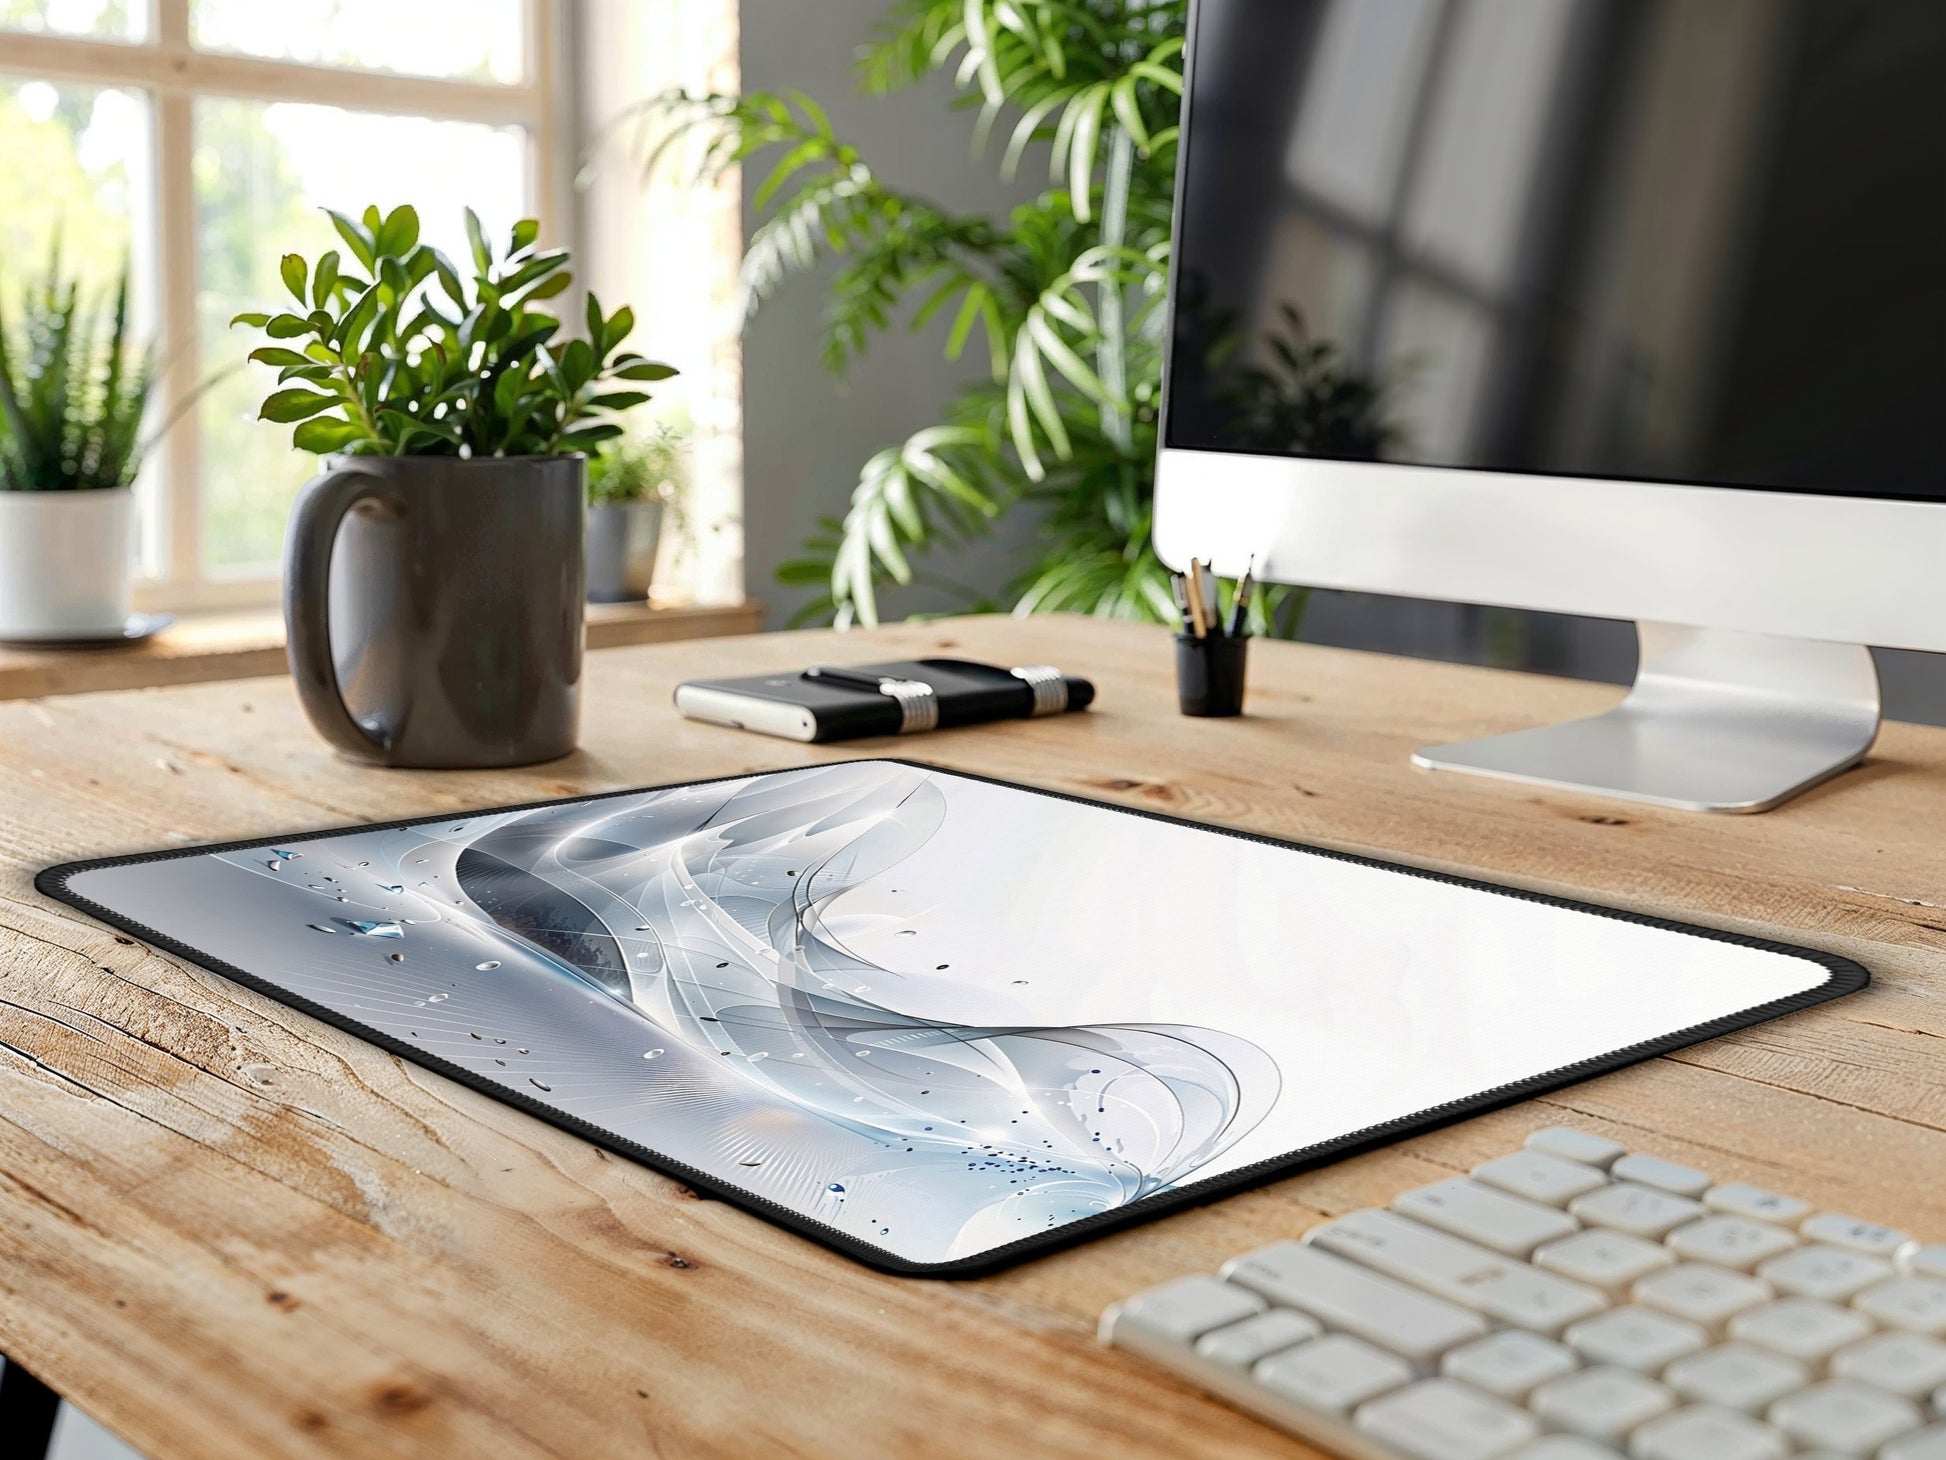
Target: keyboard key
1661 1174
1828 1273
1505 1290
1180 1312
1442 1420
1484 1215
1336 1373
1540 1177
1927 1444
1346 1296
1635 1338
1703 1433
1242 1344
1508 1363
1800 1328
1601 1404
1842 1415
1564 1447
1854 1235
1576 1145
1734 1199
1736 1376
1730 1242
1608 1260
1640 1211
1905 1363
1707 1295
1916 1304
1927 1261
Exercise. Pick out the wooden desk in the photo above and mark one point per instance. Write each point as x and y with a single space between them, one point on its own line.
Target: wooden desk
228 1231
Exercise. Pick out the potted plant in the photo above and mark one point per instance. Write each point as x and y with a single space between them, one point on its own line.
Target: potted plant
73 391
636 486
433 574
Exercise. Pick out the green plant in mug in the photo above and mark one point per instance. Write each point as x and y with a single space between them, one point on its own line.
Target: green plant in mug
73 391
406 357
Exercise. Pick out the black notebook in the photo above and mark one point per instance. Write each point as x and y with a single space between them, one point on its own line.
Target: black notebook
892 698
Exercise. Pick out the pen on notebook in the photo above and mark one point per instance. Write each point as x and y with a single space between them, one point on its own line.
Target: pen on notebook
1198 619
848 677
1240 604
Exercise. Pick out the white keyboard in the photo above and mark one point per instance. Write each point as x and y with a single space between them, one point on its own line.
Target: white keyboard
1572 1301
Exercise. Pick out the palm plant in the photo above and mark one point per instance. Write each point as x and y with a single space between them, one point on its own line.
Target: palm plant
1064 294
73 391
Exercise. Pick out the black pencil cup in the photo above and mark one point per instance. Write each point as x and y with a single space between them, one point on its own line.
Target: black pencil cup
1209 674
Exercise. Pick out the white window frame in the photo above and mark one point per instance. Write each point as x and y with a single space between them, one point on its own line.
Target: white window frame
174 73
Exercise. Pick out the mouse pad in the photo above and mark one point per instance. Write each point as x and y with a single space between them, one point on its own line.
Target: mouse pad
940 1022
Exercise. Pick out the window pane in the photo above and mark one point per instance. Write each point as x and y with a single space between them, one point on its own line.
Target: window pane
110 20
76 168
262 173
474 40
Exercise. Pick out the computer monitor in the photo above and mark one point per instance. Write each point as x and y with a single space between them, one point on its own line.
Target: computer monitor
1631 308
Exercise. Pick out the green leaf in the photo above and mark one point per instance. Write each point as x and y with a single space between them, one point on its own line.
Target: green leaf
253 319
620 325
294 405
548 287
588 437
324 278
399 232
645 370
620 400
325 436
357 238
278 356
288 327
292 270
476 236
524 234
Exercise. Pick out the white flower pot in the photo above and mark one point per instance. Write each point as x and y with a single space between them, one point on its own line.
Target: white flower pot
66 561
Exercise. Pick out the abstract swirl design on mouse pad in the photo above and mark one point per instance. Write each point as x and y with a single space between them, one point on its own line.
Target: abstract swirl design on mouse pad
722 1018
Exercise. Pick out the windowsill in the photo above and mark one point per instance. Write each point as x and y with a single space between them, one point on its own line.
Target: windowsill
201 647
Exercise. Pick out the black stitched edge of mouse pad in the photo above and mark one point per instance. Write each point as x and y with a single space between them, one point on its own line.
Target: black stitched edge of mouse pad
855 832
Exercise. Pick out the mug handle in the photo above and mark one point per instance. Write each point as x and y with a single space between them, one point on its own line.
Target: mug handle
320 507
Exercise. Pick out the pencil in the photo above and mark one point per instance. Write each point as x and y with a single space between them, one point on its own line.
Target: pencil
1199 620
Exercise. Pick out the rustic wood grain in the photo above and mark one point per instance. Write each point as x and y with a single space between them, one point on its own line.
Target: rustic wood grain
204 647
229 1231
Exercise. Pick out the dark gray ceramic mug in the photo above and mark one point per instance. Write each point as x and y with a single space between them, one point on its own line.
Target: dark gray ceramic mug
434 607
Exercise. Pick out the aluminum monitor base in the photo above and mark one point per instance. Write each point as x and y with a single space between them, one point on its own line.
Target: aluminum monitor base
1718 720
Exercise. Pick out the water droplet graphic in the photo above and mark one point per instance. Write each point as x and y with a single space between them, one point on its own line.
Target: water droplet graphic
522 1050
1020 980
906 933
285 856
274 865
437 998
364 864
488 966
834 1186
397 957
390 887
320 928
651 1054
537 1084
368 928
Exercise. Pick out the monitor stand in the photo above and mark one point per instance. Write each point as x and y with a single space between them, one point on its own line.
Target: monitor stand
1718 720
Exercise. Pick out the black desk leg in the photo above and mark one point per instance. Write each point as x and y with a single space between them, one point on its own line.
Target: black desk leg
27 1410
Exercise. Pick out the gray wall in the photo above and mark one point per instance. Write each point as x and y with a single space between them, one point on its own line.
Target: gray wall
805 434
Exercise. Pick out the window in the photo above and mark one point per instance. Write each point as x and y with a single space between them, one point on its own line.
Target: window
197 139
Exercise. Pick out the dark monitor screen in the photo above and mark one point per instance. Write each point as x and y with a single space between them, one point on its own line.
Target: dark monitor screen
1692 241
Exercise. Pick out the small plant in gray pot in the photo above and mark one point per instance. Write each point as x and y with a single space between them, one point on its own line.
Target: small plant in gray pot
637 487
73 392
434 572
